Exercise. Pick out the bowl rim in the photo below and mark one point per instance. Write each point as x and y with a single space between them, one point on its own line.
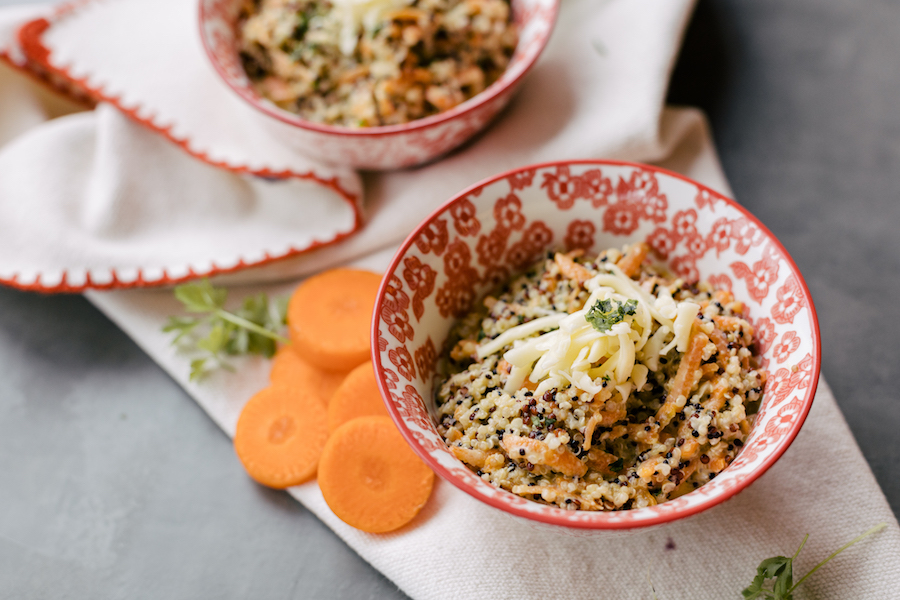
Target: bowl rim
551 519
476 101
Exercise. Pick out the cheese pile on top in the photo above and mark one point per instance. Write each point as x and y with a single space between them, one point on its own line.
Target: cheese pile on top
617 337
362 14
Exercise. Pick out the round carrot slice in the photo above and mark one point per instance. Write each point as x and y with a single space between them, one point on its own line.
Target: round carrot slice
371 478
329 317
357 396
290 368
280 435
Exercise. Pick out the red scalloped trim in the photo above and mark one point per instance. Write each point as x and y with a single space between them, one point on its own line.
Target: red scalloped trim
63 287
38 65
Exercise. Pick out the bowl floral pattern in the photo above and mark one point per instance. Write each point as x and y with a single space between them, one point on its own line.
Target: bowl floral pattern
488 232
388 147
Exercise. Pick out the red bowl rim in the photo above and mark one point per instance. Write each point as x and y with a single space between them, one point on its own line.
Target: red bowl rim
491 92
551 518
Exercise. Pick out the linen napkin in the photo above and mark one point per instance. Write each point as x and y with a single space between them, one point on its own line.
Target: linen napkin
124 205
459 547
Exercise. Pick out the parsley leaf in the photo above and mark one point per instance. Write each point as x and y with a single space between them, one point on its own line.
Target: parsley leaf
606 313
217 333
780 569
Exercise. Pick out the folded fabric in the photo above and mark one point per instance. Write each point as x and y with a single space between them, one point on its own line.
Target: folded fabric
459 547
597 91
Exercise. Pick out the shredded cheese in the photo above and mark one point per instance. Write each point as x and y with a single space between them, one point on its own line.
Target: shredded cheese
518 332
558 349
356 14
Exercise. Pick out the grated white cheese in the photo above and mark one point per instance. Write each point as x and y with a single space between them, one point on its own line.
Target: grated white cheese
356 14
574 352
687 312
518 332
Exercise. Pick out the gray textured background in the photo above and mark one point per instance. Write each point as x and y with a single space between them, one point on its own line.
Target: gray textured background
115 484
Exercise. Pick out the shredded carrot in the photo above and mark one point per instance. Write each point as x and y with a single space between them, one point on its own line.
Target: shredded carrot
684 378
329 317
477 458
538 452
280 434
371 478
290 368
571 269
357 396
634 256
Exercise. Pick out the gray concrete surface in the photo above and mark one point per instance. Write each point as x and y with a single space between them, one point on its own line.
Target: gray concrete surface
114 484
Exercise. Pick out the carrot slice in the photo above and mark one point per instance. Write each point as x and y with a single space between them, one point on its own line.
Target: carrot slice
371 478
292 369
357 396
329 316
280 435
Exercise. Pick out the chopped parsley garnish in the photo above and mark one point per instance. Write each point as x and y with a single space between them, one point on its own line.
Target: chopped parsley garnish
606 313
215 332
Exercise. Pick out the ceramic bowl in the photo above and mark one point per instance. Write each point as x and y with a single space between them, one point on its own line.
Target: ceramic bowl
388 147
501 225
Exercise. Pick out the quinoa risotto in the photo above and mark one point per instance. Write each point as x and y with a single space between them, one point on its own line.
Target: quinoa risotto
361 63
600 383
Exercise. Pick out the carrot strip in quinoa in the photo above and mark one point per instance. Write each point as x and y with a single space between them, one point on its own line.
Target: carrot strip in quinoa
571 269
733 324
538 452
717 399
709 369
476 458
684 378
634 256
718 338
371 478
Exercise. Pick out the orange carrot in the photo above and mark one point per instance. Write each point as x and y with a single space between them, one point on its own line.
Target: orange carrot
290 368
280 435
329 317
357 396
371 478
571 269
684 378
634 256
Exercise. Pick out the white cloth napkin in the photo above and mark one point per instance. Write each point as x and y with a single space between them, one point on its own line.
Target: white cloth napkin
122 204
598 91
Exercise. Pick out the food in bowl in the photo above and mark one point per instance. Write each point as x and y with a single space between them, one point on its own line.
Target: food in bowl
363 63
600 383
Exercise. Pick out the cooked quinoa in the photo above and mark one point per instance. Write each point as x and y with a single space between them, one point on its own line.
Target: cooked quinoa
361 63
600 383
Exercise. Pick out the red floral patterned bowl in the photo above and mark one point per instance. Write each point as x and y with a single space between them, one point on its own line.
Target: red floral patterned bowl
503 224
388 147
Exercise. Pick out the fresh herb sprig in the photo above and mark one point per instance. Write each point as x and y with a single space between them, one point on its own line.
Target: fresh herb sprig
780 569
606 313
216 333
